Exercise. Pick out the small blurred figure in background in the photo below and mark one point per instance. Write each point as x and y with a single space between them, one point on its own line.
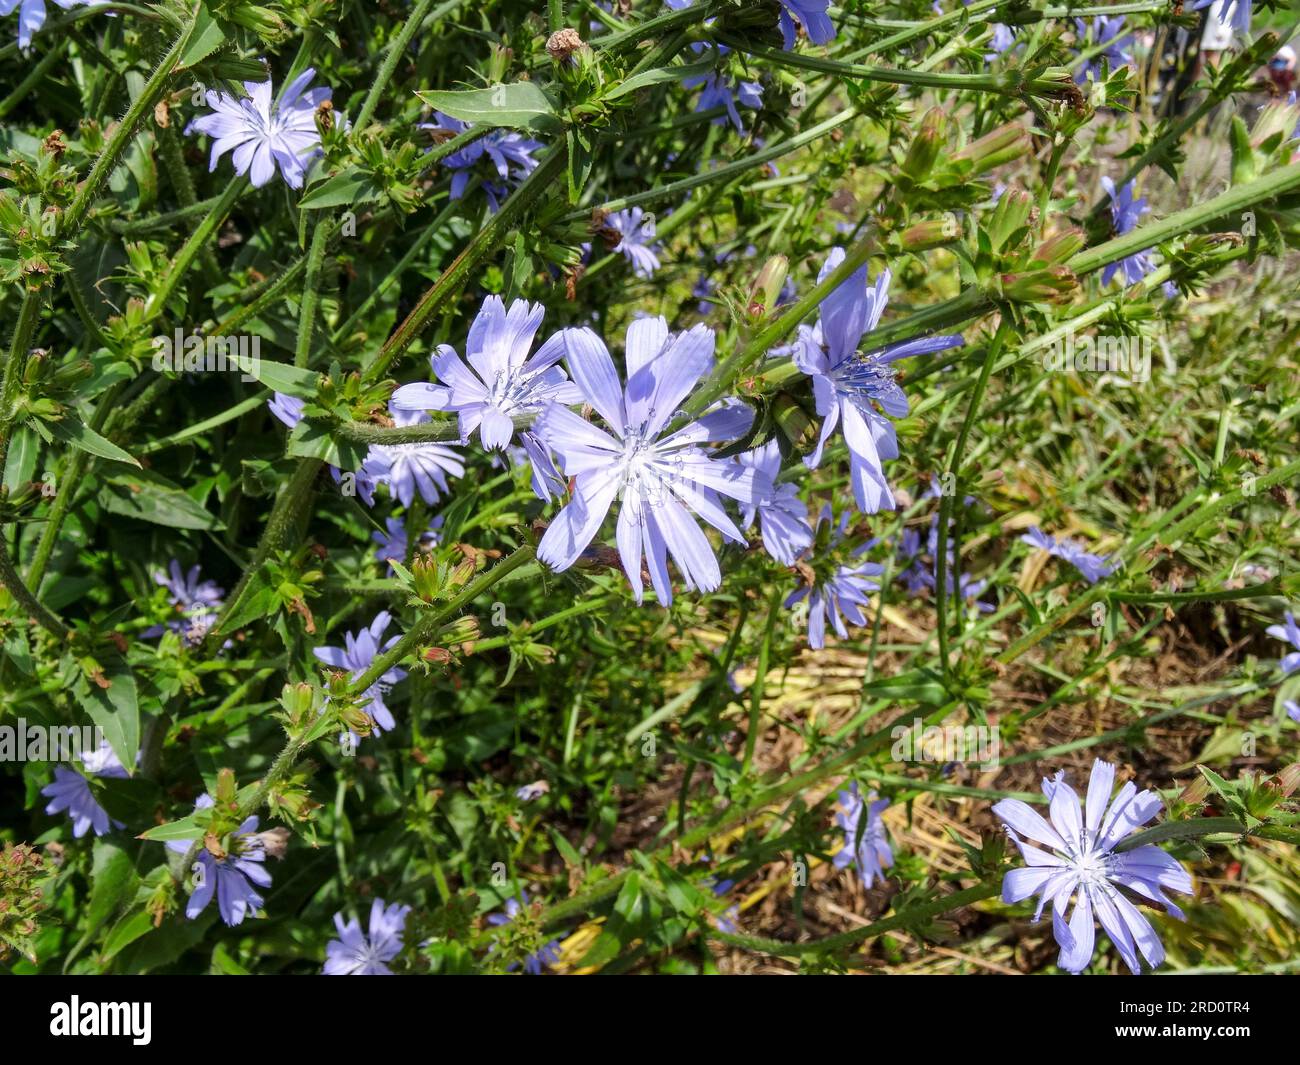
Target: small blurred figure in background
1281 70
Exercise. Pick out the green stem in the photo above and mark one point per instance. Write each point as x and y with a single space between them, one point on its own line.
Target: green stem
909 918
311 293
122 136
195 243
452 278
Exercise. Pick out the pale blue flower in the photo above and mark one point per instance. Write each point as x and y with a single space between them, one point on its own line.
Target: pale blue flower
265 134
637 243
356 954
70 791
1081 863
849 386
865 846
1290 632
356 656
231 878
782 515
661 479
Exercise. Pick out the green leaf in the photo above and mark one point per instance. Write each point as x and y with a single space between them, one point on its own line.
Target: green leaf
350 185
312 440
72 430
205 38
127 930
116 711
521 105
147 496
660 75
280 376
20 464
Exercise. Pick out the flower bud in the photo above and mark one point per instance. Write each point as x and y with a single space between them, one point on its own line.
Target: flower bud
993 149
766 289
929 234
1054 284
1057 249
794 423
925 145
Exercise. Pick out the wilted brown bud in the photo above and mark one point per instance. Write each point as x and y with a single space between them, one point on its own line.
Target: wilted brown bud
562 44
275 841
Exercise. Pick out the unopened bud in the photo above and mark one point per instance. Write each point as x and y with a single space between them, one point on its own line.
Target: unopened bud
1038 286
1059 248
766 289
794 423
993 149
925 145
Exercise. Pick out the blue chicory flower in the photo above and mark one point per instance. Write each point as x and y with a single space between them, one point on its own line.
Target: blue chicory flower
811 16
411 468
70 791
1290 632
1092 567
870 852
661 479
719 92
1125 212
356 656
287 409
636 245
510 153
265 134
356 954
231 878
500 383
197 601
31 16
1103 30
1081 863
393 543
852 388
782 515
842 595
547 956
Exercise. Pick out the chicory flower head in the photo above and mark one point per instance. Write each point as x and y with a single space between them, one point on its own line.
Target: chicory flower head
842 592
1290 632
856 390
1081 863
356 656
637 244
661 479
231 878
870 851
196 600
1106 31
393 544
510 153
356 954
501 383
31 16
411 468
287 409
1125 212
70 791
809 14
782 515
1092 567
266 134
719 92
547 956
